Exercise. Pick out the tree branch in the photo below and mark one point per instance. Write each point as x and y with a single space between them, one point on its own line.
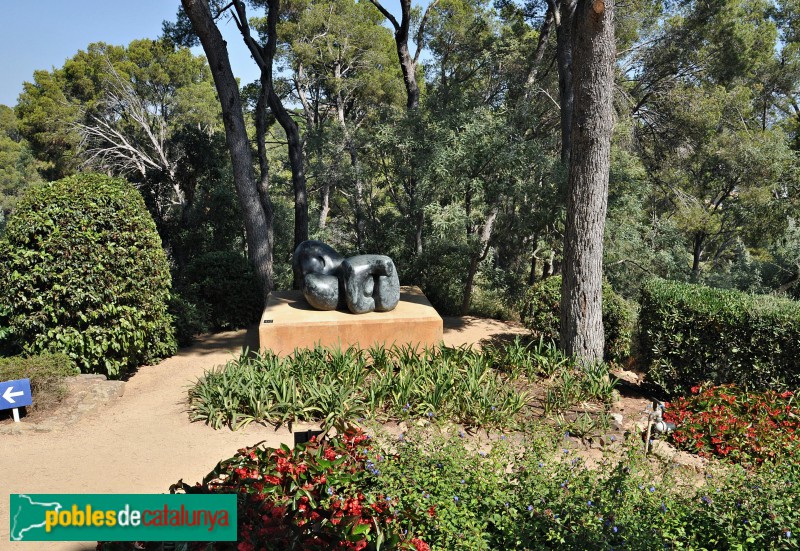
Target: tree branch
421 30
386 14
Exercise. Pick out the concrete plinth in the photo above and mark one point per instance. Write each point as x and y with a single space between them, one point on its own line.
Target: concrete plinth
289 322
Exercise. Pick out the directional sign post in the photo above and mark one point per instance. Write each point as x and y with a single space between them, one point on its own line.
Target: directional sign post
15 394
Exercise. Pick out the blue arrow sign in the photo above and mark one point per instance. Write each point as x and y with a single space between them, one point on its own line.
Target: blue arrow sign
15 394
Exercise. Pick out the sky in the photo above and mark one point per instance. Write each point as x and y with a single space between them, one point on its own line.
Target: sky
45 33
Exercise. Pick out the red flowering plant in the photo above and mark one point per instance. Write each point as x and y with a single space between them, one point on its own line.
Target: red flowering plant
315 496
726 421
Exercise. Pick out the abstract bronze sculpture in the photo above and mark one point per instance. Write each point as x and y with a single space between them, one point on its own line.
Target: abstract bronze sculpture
363 283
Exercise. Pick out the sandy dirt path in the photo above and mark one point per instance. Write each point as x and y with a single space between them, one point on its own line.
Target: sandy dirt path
144 442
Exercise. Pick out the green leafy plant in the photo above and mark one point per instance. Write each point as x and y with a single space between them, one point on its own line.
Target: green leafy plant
85 274
537 494
223 289
336 387
540 311
691 334
315 496
428 490
189 319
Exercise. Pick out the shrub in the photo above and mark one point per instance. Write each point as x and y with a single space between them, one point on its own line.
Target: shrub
223 289
540 312
725 421
46 372
690 334
189 319
316 496
86 275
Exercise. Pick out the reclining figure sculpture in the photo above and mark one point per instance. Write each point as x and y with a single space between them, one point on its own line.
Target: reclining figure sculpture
364 283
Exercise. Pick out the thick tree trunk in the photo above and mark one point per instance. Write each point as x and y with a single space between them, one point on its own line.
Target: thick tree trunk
409 69
408 63
408 66
296 163
419 226
263 163
587 194
547 268
325 208
258 223
534 262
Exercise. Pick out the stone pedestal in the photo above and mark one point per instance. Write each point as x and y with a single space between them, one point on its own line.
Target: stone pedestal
289 322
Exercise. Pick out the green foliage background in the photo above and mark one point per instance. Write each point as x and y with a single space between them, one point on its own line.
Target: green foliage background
541 311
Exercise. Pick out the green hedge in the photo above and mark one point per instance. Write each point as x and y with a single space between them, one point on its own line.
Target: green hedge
85 274
691 334
540 312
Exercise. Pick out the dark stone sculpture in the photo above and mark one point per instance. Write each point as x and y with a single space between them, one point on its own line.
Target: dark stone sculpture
364 283
370 283
318 266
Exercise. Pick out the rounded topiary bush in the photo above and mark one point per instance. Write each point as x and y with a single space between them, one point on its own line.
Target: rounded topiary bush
85 274
541 313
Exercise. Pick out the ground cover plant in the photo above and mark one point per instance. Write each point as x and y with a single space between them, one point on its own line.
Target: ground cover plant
445 491
749 427
487 388
538 494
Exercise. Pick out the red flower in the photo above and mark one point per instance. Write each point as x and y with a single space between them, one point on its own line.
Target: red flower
329 454
420 545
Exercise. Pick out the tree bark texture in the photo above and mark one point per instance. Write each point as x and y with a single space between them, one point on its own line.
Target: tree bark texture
258 223
587 194
697 254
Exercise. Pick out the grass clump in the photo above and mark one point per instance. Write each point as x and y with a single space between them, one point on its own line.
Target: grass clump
46 372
